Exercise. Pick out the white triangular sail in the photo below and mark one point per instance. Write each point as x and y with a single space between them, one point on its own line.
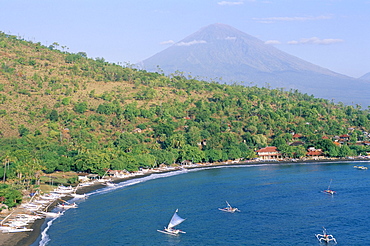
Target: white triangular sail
176 220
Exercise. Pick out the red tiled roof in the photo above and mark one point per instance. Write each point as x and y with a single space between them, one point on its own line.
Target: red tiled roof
268 149
314 152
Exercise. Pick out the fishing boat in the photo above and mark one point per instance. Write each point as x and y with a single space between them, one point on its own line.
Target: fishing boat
51 196
360 167
52 214
19 229
61 189
175 221
329 191
67 205
229 209
79 195
108 183
14 229
325 238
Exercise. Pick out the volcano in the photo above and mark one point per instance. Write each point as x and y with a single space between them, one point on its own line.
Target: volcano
224 54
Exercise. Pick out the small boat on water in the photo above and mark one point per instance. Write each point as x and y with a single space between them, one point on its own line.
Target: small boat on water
175 221
325 238
229 209
328 190
360 167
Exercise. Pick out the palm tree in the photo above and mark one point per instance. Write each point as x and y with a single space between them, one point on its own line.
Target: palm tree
6 161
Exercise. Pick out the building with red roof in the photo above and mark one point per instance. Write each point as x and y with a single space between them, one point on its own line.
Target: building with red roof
269 153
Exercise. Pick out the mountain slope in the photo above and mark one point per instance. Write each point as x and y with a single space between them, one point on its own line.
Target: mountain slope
221 51
365 77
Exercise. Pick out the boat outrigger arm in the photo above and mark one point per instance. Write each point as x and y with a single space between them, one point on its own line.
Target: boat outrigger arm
229 209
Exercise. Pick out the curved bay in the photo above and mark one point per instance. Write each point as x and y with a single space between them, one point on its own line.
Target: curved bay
280 205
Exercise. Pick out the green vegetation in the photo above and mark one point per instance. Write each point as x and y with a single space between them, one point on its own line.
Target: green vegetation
68 112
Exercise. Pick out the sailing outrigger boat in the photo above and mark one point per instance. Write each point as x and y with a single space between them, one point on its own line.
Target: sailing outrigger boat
229 209
324 237
175 221
329 191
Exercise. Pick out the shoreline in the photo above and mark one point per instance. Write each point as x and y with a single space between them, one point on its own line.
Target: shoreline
28 238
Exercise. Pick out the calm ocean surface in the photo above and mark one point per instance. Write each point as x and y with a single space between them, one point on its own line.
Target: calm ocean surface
280 205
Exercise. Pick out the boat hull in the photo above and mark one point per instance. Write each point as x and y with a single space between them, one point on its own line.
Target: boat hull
229 211
171 233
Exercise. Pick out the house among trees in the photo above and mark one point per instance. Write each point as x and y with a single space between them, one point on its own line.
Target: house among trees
315 153
269 153
344 138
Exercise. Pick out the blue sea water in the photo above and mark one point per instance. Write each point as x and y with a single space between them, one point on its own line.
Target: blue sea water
280 205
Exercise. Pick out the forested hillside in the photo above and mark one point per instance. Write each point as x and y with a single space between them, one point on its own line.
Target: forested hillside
68 112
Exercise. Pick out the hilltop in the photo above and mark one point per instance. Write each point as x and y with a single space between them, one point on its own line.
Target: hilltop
222 53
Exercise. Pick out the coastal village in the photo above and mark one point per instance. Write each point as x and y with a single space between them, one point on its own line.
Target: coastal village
52 203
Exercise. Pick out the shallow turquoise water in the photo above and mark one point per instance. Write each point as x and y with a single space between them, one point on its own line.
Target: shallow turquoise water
280 205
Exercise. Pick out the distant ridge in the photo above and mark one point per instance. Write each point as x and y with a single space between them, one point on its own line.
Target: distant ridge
219 51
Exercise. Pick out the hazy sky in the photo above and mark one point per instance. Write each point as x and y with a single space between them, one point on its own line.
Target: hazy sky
333 34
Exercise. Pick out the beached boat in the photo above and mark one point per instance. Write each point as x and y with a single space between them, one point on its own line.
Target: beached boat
5 229
32 207
229 209
64 190
86 183
328 190
108 183
20 229
52 214
67 205
42 201
175 221
79 195
51 196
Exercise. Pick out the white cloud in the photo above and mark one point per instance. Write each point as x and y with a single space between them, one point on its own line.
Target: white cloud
230 3
296 18
316 40
230 38
272 42
167 42
293 42
191 43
